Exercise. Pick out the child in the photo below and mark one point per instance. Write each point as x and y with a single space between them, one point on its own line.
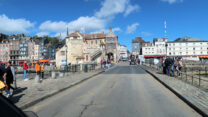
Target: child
3 87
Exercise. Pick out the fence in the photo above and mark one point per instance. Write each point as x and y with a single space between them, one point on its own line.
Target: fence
197 76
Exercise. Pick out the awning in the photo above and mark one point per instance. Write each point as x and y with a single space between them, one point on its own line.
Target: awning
154 56
44 61
205 56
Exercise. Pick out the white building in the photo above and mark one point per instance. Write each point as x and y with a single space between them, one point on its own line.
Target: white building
155 49
123 52
185 47
190 49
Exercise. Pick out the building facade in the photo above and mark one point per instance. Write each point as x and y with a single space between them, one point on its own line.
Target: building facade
156 49
184 47
4 51
137 46
14 51
123 53
188 48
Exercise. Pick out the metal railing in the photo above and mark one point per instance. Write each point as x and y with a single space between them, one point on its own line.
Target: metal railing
197 76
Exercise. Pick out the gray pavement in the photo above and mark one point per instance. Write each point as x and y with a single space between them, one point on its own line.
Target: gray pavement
123 91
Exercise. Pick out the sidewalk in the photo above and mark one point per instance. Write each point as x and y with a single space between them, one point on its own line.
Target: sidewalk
197 97
29 92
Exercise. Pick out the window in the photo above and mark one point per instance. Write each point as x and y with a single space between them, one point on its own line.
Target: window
92 42
170 53
62 53
193 48
96 42
201 52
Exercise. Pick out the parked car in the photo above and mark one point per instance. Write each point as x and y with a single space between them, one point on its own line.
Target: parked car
8 109
132 62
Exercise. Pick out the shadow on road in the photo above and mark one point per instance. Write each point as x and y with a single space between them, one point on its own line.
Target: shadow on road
19 90
16 99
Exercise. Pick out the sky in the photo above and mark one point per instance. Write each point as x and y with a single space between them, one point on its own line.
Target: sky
128 18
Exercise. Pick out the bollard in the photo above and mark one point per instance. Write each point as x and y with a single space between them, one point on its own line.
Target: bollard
199 77
37 79
53 75
61 74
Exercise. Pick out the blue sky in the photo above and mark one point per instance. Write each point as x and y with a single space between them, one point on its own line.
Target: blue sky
128 18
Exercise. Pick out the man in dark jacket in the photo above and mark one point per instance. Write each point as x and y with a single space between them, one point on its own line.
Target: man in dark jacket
9 76
2 72
168 64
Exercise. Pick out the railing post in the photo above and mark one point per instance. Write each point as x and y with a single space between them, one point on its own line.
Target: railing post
192 76
186 73
206 71
181 74
199 77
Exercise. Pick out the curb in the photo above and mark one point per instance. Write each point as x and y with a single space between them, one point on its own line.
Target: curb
56 92
198 110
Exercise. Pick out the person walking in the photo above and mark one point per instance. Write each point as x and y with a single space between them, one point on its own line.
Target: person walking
168 64
38 68
104 64
9 77
25 69
14 76
180 65
101 64
42 71
2 72
108 63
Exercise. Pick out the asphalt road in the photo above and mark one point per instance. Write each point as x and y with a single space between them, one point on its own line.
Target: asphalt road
123 91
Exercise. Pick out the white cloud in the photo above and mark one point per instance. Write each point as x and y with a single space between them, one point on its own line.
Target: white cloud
53 26
10 26
172 1
131 8
132 28
86 23
112 7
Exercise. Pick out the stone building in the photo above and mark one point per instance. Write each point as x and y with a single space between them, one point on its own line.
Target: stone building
112 46
73 51
95 47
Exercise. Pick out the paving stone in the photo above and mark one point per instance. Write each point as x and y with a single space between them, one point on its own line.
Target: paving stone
28 91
